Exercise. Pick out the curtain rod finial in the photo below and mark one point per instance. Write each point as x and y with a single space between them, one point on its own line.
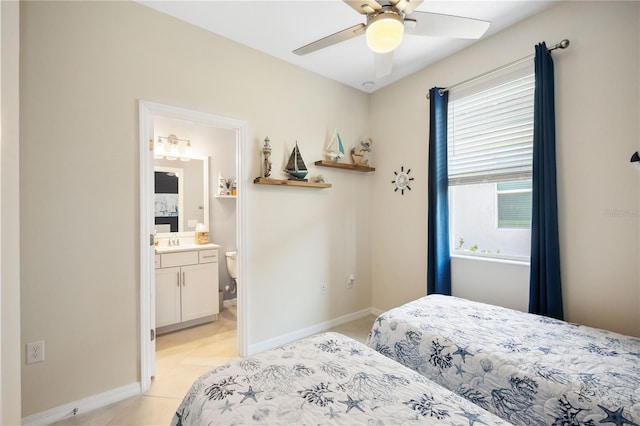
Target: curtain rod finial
635 157
564 44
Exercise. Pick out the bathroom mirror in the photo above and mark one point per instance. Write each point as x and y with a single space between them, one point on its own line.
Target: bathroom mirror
181 198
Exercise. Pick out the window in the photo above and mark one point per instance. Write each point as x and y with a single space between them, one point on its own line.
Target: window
490 146
514 204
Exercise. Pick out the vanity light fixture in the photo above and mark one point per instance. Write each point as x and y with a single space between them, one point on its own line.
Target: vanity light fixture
186 151
158 149
173 148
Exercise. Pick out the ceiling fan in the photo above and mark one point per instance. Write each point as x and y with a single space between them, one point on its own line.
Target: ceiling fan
387 21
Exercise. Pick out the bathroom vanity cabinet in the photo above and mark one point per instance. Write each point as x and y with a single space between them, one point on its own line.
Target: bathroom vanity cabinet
186 287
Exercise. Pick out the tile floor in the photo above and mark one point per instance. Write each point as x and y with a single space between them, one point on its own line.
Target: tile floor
181 358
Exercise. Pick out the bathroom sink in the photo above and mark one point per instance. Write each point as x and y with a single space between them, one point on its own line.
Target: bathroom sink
184 247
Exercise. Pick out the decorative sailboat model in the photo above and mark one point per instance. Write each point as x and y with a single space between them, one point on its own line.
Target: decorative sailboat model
296 168
335 150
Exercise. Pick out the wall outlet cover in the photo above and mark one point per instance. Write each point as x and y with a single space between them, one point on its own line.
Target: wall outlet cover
35 352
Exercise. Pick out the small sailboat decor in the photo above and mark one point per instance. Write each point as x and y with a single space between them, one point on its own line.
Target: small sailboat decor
296 168
335 150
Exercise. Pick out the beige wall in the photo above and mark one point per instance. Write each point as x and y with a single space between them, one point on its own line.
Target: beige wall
9 215
84 67
597 109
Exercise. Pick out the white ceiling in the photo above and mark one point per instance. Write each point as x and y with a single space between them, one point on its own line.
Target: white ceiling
278 27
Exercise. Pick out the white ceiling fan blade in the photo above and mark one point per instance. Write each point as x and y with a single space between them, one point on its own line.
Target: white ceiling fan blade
364 6
436 25
406 6
332 39
383 63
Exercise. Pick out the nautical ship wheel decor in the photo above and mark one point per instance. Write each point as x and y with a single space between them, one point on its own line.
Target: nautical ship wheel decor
402 180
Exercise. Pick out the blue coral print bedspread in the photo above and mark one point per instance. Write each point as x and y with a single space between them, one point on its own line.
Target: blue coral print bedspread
527 369
324 379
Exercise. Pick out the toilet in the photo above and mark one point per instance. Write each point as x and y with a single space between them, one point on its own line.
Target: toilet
233 269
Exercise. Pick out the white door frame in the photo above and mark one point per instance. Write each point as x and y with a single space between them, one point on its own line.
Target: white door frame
147 112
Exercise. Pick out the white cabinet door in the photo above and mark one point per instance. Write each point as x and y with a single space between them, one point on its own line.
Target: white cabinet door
199 291
167 296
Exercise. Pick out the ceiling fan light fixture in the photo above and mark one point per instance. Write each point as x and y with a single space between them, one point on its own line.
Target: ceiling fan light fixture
384 32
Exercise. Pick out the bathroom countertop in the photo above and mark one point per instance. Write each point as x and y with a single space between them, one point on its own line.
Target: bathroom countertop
185 247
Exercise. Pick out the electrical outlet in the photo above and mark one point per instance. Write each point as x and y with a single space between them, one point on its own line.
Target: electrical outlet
350 281
35 352
323 288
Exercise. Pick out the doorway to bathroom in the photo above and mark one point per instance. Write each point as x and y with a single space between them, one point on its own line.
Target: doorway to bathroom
216 144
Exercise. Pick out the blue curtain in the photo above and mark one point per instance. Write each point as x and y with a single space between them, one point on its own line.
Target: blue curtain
545 293
438 258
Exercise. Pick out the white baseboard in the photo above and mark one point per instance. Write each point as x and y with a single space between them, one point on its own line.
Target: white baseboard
306 332
82 406
230 302
377 312
115 395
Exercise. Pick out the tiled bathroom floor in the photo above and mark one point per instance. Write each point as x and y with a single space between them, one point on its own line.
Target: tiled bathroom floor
181 358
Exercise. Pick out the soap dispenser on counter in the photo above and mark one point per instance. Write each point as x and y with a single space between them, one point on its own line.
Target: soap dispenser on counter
202 235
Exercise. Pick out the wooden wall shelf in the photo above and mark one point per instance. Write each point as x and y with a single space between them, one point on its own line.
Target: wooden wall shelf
286 182
345 166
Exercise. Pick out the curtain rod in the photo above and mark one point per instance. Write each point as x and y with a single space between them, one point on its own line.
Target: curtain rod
562 45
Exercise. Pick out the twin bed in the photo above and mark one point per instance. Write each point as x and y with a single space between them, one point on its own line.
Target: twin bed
527 369
324 379
437 360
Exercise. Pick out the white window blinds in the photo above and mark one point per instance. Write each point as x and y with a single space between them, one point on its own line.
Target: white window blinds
490 134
